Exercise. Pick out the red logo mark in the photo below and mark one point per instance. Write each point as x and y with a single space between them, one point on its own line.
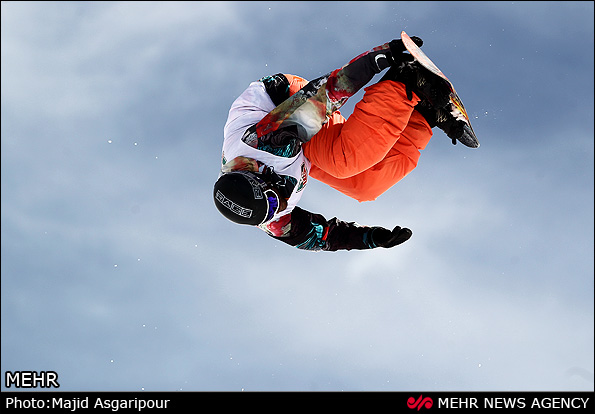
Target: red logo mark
420 403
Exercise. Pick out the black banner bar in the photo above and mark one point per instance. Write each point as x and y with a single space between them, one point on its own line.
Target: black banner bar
414 401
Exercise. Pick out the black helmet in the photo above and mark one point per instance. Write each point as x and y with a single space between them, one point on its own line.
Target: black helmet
245 198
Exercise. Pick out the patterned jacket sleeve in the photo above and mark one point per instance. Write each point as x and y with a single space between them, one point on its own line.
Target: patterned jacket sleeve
320 97
309 231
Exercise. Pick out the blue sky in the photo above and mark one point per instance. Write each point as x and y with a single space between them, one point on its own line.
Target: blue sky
119 274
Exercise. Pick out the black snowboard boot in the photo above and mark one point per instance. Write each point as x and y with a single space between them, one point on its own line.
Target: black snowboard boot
426 85
450 120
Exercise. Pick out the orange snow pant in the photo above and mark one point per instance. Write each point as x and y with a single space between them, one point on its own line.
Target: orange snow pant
378 145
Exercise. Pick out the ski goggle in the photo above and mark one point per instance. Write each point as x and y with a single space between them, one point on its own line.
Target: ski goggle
272 204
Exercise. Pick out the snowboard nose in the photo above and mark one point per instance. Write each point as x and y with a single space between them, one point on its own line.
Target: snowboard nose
468 138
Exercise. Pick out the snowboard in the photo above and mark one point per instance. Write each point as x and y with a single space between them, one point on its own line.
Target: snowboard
457 109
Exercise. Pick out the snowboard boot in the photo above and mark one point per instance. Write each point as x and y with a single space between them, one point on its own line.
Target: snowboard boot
426 85
450 120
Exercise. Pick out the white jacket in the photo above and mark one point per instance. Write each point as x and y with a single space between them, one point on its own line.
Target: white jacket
247 110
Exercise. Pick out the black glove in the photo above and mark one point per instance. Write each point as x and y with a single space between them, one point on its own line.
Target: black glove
397 48
385 238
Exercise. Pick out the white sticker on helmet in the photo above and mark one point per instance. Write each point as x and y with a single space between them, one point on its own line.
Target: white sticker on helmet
235 208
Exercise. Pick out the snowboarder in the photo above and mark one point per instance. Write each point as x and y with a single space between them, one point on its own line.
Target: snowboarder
283 129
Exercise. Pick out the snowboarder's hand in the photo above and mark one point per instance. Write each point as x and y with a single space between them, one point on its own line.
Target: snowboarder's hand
386 238
397 48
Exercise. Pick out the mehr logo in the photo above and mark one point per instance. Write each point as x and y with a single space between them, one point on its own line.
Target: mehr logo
31 379
419 403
